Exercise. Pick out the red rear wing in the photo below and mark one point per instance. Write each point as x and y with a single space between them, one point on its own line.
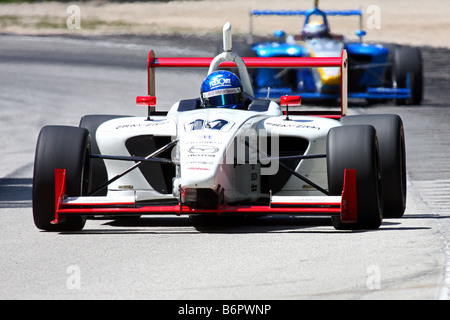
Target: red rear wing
280 62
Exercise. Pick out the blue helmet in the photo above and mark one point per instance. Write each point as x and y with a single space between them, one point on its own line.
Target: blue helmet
222 89
315 29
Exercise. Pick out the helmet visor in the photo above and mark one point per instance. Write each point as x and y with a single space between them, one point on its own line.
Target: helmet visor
222 98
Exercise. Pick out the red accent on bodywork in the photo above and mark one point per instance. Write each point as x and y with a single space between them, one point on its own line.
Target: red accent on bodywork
60 191
181 209
250 62
349 202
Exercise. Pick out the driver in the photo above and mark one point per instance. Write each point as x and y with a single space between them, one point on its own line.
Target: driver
315 29
222 89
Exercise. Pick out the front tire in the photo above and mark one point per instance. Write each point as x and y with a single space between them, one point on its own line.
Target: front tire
60 147
356 147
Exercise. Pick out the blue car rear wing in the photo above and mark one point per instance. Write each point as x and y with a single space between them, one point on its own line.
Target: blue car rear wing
306 13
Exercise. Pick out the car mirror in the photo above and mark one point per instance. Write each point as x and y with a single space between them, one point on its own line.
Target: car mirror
147 101
279 34
360 34
290 101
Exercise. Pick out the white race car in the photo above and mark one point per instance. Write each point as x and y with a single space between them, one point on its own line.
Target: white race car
266 158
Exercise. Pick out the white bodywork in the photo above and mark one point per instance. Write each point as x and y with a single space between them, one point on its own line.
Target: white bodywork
203 154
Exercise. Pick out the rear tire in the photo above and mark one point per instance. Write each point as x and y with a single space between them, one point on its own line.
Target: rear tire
60 147
356 147
408 61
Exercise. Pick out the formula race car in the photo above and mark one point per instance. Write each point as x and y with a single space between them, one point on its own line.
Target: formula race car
224 153
376 72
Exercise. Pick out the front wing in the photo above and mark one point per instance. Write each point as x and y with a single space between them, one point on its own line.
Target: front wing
344 206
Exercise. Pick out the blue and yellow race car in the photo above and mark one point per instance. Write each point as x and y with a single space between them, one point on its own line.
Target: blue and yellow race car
376 72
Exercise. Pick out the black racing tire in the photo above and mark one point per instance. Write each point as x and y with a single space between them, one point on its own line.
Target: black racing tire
60 147
408 61
98 167
356 147
391 139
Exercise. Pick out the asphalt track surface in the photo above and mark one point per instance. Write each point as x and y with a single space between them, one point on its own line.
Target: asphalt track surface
56 80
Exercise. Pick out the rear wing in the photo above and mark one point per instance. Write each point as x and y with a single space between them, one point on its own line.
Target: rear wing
306 13
154 62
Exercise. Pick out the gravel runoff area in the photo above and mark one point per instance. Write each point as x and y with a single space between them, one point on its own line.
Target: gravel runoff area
412 22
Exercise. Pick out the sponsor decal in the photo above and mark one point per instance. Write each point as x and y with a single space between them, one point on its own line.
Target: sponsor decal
222 82
220 92
297 125
201 124
200 163
198 168
203 149
143 125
